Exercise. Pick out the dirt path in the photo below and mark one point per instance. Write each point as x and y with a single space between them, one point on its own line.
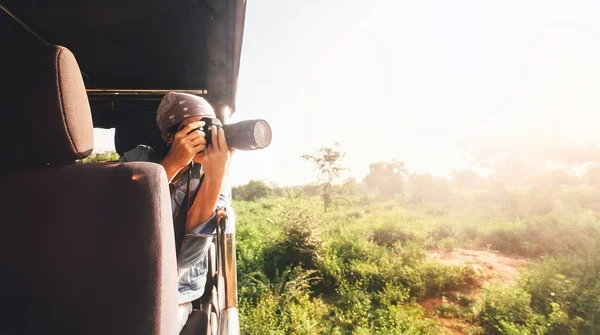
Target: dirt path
491 267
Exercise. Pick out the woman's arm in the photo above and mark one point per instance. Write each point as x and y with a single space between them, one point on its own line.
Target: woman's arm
205 203
171 168
214 160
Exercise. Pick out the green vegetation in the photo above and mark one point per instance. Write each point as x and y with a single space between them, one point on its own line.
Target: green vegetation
362 267
252 191
105 156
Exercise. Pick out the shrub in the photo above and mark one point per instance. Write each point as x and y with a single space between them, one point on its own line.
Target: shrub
356 214
301 242
404 319
544 236
507 311
439 278
448 243
442 231
353 307
567 291
504 241
389 234
285 307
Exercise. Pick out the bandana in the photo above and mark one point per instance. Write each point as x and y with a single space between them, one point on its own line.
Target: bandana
176 107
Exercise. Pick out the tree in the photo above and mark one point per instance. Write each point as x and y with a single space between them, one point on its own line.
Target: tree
349 187
328 163
426 187
105 156
276 190
387 177
467 179
254 190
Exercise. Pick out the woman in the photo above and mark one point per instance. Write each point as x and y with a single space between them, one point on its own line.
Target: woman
199 190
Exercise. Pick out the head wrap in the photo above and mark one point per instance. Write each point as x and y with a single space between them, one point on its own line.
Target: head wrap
176 107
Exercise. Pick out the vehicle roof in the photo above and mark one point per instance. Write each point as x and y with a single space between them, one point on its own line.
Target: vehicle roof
138 44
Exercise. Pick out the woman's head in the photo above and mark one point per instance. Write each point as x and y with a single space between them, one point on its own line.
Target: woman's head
175 108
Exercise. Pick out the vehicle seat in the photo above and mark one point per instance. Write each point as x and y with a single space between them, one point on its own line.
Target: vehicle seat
85 248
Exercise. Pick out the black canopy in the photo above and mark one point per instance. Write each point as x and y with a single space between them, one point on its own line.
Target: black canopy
137 45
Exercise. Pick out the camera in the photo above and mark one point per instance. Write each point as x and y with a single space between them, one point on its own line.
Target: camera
243 135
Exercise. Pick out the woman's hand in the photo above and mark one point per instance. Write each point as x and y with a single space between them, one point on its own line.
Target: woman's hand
187 142
215 159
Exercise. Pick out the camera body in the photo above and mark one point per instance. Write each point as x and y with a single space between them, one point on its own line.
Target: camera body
208 123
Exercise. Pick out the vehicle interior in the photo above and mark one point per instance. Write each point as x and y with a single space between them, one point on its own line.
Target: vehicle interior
89 248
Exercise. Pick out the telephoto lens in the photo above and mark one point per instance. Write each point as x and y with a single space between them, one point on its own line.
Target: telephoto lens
248 135
243 135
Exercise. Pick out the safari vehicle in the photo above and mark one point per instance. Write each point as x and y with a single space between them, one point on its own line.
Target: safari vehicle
88 248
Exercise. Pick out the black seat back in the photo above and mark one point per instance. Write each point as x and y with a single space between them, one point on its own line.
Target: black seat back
85 248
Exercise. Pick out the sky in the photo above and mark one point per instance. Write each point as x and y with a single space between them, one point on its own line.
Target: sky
418 81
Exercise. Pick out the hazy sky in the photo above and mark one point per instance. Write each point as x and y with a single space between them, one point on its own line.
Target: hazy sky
413 79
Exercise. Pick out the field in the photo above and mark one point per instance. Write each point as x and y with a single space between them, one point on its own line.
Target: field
483 261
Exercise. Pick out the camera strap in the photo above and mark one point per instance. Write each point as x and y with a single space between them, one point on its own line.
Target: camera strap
180 217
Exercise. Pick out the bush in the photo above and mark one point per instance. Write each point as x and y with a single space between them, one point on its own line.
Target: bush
448 243
301 242
544 236
285 307
254 190
504 241
567 291
507 311
356 214
389 234
404 319
353 307
442 232
439 278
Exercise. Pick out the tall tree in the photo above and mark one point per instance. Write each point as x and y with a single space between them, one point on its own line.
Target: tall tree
387 177
467 179
254 190
426 188
328 163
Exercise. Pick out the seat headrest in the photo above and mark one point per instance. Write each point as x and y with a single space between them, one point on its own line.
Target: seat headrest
45 115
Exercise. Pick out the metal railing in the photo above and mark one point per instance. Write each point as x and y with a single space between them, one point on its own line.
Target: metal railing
95 92
228 312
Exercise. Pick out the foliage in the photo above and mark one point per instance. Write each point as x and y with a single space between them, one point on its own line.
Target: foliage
543 236
300 244
427 188
387 177
363 266
105 156
567 290
284 305
390 234
254 190
508 311
467 179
